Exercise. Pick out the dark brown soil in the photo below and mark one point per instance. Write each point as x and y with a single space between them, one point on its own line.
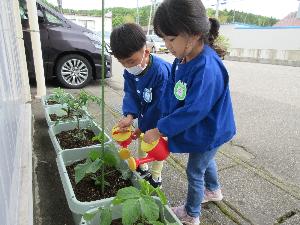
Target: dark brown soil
86 190
51 102
71 139
54 117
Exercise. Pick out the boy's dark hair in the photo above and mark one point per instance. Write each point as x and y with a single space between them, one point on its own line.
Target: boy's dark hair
127 39
173 17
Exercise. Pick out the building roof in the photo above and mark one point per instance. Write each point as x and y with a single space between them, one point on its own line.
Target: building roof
290 20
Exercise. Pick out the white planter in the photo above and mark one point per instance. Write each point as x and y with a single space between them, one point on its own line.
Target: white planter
77 207
117 214
57 109
45 99
56 129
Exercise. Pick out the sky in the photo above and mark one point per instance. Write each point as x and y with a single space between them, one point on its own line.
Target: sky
272 8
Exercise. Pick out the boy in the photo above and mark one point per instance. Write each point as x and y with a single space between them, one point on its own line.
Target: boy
145 78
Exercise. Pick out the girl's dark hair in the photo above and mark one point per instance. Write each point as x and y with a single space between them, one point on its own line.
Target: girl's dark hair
127 39
173 17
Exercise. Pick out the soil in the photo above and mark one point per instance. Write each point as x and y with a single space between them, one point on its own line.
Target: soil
86 190
51 102
54 117
69 139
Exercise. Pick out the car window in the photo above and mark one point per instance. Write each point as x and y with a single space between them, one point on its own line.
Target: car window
23 10
53 19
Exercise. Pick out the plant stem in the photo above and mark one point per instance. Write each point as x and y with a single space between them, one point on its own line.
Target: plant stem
102 85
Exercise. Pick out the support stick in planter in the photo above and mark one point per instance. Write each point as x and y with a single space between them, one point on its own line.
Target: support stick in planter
102 87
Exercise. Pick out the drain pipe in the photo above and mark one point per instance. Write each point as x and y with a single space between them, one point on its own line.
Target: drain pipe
36 48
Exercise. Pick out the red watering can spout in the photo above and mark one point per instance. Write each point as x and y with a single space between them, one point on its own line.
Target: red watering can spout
157 151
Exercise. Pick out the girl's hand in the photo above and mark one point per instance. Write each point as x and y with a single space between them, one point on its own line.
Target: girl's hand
136 134
125 122
152 135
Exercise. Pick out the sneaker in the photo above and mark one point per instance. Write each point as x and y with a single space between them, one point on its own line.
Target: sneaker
182 215
212 196
142 173
154 183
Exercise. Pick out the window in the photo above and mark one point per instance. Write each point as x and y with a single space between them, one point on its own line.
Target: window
53 19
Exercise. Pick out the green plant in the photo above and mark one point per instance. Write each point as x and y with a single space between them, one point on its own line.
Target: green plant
96 161
221 45
138 206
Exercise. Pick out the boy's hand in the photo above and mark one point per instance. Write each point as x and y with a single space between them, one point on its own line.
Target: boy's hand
125 122
136 134
152 135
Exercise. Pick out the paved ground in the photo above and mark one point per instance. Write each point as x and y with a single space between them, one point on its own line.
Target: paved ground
259 169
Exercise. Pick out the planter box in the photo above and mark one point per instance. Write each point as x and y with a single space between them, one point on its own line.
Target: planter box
117 213
57 109
77 207
45 99
56 129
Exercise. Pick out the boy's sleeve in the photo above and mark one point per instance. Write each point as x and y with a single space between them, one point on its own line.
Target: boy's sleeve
200 98
130 100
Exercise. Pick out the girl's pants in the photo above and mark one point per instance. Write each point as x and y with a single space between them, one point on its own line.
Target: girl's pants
201 173
157 166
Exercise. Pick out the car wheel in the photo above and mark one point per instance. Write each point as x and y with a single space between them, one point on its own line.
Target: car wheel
74 71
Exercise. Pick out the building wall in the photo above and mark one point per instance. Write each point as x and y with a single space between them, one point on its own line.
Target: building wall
15 117
279 45
92 22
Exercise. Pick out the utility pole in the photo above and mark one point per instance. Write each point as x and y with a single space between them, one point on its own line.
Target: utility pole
150 18
137 12
59 3
217 9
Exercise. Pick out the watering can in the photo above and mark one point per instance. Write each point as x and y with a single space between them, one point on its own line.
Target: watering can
157 151
123 138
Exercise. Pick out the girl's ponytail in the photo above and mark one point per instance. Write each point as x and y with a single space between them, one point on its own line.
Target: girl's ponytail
213 31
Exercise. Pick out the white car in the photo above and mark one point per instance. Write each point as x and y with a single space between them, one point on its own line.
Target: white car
156 44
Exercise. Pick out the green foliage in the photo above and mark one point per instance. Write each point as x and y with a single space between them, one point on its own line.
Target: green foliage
94 163
137 205
122 15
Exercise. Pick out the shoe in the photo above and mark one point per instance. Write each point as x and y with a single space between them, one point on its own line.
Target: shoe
182 215
212 196
142 173
154 183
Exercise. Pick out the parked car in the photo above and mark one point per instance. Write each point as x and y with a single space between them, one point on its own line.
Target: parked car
156 44
71 53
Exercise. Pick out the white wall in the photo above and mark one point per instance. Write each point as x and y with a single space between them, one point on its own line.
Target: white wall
15 129
273 38
94 23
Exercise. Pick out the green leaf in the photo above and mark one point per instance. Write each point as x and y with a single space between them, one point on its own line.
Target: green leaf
131 211
117 201
93 155
111 158
94 166
146 187
156 223
162 196
89 216
80 170
128 193
149 208
106 216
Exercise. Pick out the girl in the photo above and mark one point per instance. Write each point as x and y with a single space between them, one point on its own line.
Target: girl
198 110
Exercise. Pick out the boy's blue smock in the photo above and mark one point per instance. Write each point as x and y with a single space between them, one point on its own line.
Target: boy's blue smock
204 119
143 93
